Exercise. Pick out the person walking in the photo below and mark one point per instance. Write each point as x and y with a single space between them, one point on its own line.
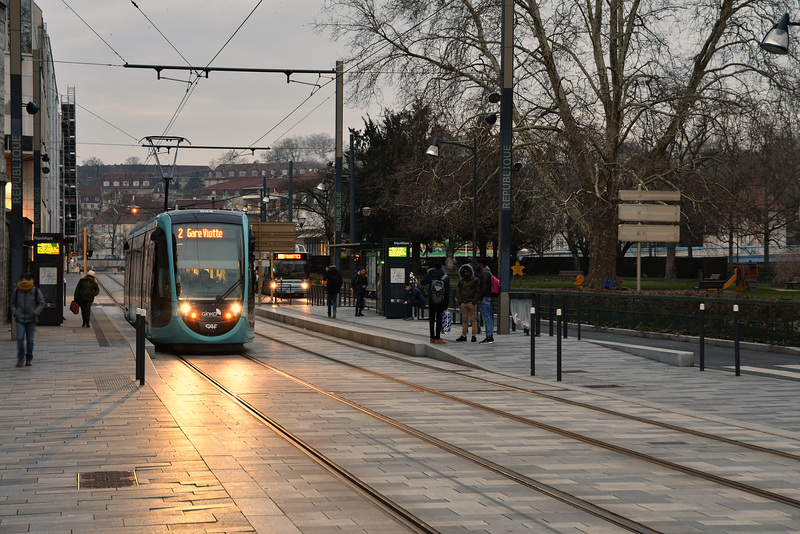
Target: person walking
438 299
414 297
333 283
486 303
359 285
27 302
85 292
467 296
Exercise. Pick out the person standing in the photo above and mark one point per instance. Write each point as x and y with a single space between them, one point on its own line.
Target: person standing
486 303
27 302
438 298
359 285
414 297
467 296
333 282
85 292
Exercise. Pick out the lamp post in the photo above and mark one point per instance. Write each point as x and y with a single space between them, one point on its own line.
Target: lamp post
777 39
433 150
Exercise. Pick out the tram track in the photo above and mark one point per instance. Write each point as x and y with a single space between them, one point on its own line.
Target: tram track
723 481
415 523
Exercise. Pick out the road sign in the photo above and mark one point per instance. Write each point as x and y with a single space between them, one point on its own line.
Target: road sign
636 195
657 233
649 213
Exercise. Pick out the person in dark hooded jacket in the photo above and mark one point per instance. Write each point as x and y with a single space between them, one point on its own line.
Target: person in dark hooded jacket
333 283
436 309
27 302
467 296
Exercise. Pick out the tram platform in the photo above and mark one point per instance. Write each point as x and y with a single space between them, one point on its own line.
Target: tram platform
85 448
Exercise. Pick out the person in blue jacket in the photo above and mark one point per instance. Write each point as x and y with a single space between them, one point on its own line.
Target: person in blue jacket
27 302
414 297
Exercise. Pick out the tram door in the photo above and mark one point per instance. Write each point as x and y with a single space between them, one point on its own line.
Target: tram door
48 273
396 269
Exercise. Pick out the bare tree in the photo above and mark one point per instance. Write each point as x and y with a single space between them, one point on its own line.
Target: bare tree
590 78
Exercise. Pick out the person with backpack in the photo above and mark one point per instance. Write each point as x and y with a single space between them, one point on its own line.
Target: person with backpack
486 295
333 283
27 302
467 297
359 286
438 299
85 292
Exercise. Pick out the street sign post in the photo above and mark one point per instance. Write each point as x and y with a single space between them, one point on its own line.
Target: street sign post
648 213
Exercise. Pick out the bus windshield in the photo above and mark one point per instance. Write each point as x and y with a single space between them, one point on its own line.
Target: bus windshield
290 269
208 260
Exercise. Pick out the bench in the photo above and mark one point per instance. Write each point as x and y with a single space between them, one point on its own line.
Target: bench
573 274
794 282
712 283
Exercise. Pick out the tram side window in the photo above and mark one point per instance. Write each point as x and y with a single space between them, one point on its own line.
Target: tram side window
161 296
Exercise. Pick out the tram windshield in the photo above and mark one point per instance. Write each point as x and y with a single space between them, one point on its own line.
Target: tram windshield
208 260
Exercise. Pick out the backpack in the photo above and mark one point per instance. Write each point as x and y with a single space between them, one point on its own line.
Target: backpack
437 291
495 286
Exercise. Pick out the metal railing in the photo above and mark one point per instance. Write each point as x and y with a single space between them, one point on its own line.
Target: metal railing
762 321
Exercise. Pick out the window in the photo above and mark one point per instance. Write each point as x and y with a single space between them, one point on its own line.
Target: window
242 173
255 172
232 174
219 174
106 183
136 183
116 183
146 183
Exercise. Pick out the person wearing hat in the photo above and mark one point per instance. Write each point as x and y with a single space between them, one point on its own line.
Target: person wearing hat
85 292
27 302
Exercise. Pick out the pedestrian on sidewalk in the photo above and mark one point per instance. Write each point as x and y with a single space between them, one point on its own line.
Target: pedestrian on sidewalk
414 297
438 299
486 303
359 285
85 292
27 302
468 294
333 283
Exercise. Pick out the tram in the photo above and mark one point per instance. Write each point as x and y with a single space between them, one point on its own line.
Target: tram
192 273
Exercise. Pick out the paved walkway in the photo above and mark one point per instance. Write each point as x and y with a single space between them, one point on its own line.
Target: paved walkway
76 428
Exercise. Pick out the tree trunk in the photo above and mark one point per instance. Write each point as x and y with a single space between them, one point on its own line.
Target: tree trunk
603 247
671 273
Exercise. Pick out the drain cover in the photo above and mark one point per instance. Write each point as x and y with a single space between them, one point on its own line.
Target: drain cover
107 479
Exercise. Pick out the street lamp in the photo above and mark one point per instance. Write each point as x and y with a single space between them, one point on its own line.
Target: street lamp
777 39
433 151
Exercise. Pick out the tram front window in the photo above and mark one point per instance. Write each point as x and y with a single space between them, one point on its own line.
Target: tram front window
209 261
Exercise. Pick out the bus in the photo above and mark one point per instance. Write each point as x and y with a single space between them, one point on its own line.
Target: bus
289 273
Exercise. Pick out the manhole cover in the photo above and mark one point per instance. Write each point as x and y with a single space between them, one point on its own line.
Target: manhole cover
114 383
107 479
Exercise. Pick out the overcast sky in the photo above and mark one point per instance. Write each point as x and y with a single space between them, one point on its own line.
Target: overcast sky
226 109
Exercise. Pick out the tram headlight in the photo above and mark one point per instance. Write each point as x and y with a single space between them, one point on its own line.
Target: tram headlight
273 284
234 311
185 308
304 285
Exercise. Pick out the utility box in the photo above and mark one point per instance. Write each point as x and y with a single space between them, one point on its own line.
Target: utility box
48 274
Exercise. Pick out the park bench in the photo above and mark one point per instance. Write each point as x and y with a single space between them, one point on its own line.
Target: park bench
793 283
712 283
573 274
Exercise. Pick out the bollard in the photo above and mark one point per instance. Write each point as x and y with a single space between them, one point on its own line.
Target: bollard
702 337
558 346
538 315
736 338
566 313
579 317
533 343
550 315
140 315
